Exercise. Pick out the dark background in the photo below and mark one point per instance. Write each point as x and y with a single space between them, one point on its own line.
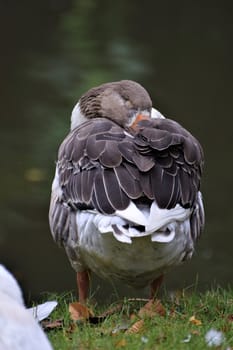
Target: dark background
53 51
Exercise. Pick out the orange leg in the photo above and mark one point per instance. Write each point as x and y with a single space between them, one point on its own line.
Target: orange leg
83 282
154 287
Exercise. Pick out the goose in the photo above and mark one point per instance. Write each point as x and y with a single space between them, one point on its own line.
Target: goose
19 329
125 200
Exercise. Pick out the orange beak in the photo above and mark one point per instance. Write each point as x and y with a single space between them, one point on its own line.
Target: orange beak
138 118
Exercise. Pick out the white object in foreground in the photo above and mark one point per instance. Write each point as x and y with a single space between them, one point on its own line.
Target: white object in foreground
18 328
42 311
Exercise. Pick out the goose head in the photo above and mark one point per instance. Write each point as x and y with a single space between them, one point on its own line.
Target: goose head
123 102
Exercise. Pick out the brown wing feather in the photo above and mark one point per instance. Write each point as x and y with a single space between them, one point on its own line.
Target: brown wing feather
177 154
102 167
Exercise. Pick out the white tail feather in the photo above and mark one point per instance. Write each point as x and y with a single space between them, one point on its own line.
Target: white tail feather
133 214
161 217
157 222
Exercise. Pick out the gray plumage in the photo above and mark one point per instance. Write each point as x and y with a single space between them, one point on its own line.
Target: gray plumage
104 164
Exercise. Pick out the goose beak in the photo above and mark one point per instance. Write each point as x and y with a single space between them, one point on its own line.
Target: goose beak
140 116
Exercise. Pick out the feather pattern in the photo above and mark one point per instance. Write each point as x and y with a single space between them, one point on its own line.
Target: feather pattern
126 186
103 168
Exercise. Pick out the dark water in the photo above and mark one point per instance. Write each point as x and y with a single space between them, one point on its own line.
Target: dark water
53 51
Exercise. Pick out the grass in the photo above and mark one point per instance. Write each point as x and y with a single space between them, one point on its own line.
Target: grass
186 316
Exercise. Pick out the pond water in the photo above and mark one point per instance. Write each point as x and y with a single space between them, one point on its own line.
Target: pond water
52 52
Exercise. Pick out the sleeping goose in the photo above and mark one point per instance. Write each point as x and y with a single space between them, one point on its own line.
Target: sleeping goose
126 200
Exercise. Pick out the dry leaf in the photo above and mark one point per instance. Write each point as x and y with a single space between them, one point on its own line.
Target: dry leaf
230 318
195 321
71 328
112 310
172 312
79 312
136 327
152 308
47 325
121 343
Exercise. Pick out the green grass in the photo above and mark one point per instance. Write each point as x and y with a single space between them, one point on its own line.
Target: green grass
214 309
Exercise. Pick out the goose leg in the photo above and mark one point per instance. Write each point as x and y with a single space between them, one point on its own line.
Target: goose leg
83 282
154 287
